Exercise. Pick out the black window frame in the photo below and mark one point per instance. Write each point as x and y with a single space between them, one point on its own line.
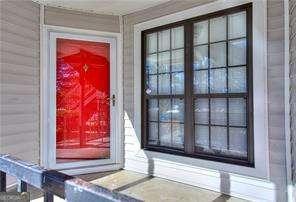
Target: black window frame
189 145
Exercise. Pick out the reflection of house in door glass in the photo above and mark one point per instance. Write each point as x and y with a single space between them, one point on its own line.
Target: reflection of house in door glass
82 102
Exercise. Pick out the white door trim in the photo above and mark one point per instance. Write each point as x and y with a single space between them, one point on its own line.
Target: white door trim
47 108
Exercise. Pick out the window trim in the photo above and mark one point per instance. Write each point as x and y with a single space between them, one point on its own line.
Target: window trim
189 147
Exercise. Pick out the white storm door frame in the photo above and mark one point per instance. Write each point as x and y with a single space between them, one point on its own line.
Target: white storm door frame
49 99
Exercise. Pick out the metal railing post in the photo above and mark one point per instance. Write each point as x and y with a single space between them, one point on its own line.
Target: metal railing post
22 186
2 181
52 182
48 197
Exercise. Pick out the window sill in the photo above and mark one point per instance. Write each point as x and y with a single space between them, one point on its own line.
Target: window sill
204 156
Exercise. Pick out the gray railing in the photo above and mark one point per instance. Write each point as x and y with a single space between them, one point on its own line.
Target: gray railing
52 183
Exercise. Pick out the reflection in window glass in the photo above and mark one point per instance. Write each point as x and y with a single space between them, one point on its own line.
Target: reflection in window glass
237 52
218 55
237 80
202 136
178 135
165 134
218 81
153 132
152 43
164 40
219 138
202 111
237 112
218 74
201 57
177 37
164 62
201 81
218 111
164 84
201 32
177 60
218 29
153 110
237 25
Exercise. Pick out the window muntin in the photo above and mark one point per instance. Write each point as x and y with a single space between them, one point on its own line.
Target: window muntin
165 87
221 99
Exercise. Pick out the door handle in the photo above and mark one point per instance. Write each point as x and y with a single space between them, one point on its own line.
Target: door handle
113 100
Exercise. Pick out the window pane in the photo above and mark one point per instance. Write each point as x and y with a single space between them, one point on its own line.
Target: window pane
202 111
219 138
165 134
178 135
153 132
164 40
218 81
177 110
152 43
237 111
201 32
237 80
164 62
201 81
164 84
151 64
177 37
178 60
201 57
238 141
153 110
202 136
152 85
237 52
237 25
178 83
218 29
165 110
218 55
219 111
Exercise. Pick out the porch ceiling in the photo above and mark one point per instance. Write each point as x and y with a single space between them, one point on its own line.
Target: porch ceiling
111 7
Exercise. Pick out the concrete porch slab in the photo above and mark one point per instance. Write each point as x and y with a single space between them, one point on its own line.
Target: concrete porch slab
153 189
147 188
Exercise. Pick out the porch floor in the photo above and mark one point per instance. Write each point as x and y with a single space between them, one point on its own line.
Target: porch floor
150 189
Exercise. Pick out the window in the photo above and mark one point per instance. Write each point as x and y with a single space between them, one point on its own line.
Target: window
197 87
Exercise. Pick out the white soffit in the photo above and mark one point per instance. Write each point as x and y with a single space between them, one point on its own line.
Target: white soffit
111 7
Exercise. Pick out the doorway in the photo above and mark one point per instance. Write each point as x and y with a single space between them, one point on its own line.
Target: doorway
81 101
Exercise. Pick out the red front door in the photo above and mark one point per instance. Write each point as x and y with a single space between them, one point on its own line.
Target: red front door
82 100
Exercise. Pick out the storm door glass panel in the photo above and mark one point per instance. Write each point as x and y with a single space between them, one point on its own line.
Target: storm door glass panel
82 100
164 89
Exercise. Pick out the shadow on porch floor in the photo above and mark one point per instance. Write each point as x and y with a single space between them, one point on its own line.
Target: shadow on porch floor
150 189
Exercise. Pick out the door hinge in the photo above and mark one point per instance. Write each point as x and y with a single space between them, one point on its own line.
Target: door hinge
113 100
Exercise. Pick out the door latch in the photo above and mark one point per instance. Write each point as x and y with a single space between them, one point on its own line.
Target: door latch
113 100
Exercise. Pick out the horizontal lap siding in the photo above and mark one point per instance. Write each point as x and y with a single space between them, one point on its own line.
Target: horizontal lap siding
293 86
75 19
19 79
275 26
276 96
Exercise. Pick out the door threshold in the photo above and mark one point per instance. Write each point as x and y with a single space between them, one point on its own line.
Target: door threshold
92 169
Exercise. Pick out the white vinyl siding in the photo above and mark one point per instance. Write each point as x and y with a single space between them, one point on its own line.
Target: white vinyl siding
276 177
19 101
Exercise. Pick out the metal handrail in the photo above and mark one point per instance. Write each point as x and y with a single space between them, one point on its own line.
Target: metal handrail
52 182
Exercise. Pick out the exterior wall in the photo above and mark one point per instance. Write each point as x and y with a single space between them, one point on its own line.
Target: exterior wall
276 126
20 70
19 101
292 8
276 96
75 19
